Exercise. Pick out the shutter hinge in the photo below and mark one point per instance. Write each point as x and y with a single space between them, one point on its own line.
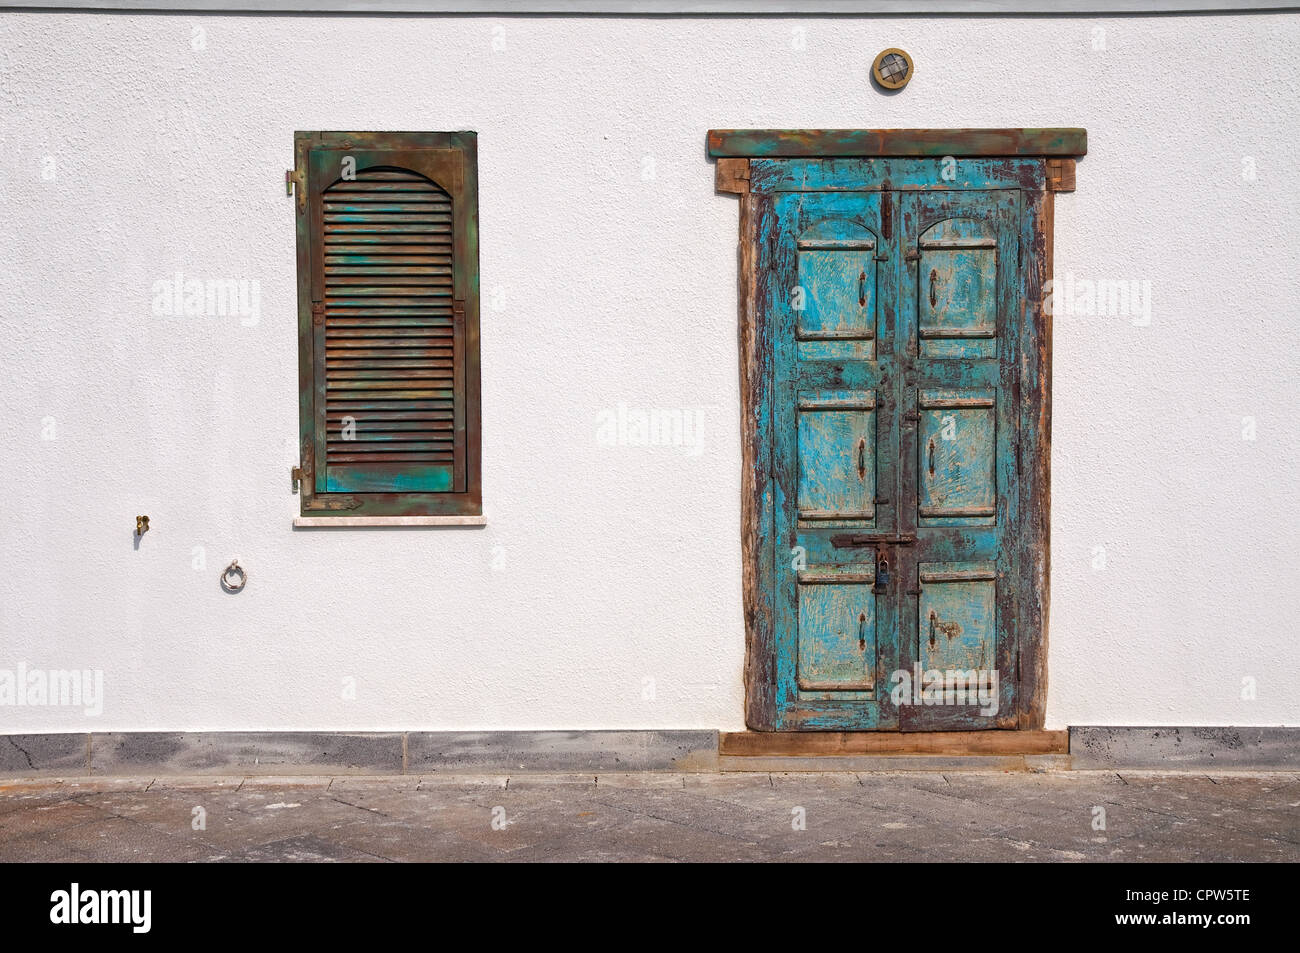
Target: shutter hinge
912 255
294 177
301 476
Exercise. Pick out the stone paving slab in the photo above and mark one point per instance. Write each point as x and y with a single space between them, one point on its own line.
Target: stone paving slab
925 816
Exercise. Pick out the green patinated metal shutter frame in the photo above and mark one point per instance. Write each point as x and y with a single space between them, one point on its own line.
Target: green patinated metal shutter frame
388 320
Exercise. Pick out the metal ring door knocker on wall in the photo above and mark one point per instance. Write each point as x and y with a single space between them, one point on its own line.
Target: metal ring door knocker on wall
233 579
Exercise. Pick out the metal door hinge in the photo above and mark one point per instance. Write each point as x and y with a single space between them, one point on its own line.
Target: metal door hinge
912 255
295 477
296 177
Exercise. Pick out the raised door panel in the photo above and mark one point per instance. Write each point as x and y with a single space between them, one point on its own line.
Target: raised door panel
837 458
837 631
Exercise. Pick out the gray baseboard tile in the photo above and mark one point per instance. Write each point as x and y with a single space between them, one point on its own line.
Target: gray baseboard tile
230 752
180 753
1179 748
566 752
37 755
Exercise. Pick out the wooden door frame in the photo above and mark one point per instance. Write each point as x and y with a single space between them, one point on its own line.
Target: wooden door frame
750 164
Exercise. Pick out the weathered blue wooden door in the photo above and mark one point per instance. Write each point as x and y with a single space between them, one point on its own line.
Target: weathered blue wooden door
894 321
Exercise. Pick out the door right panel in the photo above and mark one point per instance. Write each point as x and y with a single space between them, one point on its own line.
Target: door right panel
959 330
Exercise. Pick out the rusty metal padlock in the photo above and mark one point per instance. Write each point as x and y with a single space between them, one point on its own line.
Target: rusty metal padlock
882 578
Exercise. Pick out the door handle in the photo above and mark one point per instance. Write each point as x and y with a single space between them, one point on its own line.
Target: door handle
849 540
934 291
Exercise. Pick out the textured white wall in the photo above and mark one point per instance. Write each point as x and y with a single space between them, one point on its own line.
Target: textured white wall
129 155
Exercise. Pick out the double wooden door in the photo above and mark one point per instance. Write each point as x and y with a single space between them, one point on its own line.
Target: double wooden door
894 320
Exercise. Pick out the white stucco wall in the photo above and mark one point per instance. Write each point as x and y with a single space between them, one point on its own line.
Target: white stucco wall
608 271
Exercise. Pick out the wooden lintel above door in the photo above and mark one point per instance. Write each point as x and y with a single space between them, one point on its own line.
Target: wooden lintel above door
863 143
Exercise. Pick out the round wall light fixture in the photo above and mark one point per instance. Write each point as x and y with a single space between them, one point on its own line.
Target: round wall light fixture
892 68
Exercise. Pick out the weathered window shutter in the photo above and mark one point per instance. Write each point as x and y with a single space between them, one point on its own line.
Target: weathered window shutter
388 323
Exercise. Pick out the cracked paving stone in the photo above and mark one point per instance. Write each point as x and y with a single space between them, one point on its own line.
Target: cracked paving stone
119 839
49 817
305 848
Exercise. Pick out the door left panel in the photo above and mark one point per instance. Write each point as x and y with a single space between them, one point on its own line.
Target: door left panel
834 449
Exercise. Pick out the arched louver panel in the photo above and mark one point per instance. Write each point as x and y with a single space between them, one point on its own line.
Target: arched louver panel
389 327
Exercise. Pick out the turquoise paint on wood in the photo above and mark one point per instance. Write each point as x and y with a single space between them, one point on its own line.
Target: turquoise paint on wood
958 615
405 479
895 346
837 460
837 637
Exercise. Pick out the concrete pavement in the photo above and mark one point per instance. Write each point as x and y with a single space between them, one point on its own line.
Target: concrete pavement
841 816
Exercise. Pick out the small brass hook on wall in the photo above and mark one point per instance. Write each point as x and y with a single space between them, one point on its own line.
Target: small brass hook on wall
141 525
